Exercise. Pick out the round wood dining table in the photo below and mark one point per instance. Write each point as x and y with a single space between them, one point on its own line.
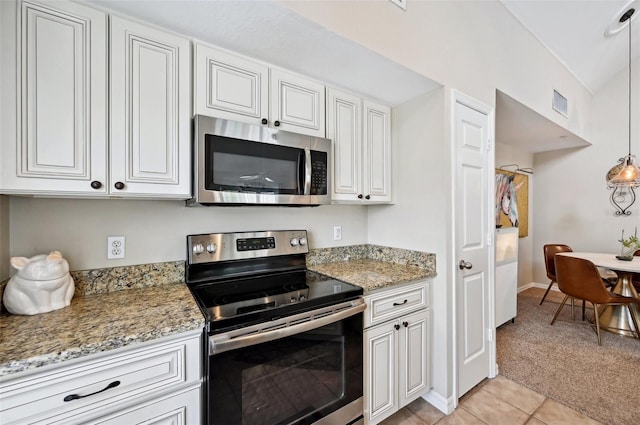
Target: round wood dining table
616 318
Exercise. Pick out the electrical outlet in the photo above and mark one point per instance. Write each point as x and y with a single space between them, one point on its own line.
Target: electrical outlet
337 233
115 247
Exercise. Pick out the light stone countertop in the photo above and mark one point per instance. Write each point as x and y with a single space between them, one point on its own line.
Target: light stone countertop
96 323
122 306
372 274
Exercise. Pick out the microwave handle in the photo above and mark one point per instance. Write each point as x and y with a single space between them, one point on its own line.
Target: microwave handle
307 171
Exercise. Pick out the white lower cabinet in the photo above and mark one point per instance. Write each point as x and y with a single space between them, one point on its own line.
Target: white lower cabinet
397 351
152 383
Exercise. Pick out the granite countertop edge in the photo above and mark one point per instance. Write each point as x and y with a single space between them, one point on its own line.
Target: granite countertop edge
373 275
95 324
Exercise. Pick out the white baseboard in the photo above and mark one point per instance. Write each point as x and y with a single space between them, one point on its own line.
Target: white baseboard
445 405
537 285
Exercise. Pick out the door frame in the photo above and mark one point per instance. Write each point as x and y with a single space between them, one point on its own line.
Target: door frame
457 97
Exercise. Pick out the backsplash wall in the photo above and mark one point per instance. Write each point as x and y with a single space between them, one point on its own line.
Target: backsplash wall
155 230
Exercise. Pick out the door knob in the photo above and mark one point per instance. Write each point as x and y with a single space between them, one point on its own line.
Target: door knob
464 265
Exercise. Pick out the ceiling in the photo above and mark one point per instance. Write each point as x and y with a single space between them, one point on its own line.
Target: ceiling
527 130
573 30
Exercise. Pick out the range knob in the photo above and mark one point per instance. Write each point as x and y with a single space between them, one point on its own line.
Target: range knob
198 249
293 299
294 241
211 248
303 241
302 298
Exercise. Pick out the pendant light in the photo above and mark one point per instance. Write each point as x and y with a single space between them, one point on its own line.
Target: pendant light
626 175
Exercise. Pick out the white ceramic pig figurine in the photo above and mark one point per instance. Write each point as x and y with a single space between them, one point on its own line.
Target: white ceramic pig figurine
42 284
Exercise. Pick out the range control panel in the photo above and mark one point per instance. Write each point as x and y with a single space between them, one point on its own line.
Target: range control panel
212 247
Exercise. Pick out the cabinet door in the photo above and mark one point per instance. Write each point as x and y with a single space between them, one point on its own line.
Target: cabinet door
344 122
413 362
181 408
150 113
54 81
377 153
230 86
297 104
381 380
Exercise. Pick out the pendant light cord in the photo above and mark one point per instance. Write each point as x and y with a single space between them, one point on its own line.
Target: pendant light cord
630 16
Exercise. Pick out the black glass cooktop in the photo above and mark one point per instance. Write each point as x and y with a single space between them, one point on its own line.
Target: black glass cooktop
234 303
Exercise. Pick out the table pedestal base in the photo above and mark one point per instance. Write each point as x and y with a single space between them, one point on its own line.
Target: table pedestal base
616 318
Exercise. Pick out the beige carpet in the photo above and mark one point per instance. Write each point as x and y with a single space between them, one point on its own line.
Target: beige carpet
565 363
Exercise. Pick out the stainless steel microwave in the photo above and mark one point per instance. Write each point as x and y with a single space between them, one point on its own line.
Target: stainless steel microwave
243 164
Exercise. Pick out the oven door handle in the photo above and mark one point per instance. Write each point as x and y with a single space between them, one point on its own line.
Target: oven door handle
221 343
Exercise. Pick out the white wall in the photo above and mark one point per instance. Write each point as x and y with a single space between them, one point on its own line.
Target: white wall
416 220
472 46
4 237
155 230
505 155
572 198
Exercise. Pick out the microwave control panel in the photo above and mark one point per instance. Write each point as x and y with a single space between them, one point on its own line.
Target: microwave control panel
318 173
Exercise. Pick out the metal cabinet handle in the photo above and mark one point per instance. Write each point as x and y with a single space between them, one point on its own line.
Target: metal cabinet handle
96 184
402 303
397 326
119 185
264 121
405 324
368 197
276 123
72 397
360 196
464 265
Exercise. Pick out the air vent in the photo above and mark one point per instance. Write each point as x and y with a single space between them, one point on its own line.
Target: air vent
560 103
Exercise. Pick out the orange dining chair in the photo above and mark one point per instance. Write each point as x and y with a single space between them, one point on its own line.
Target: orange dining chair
636 277
579 278
550 250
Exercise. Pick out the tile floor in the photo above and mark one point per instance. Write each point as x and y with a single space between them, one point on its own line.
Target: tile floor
497 401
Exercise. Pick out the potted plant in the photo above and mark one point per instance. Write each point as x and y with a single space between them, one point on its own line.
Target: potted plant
629 246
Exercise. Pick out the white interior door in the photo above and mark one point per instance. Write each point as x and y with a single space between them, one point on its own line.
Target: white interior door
472 139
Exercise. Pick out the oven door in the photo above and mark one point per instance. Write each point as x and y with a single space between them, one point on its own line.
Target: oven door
313 376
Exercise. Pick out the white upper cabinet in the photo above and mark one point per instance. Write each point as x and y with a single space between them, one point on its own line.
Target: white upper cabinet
150 111
297 103
344 128
229 86
377 152
54 101
56 53
361 136
237 88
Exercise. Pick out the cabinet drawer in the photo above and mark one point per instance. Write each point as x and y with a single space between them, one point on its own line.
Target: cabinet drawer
99 380
394 302
181 408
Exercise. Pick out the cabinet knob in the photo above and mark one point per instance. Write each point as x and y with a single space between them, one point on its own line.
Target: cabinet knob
119 185
96 184
277 123
397 326
264 121
405 324
367 197
360 196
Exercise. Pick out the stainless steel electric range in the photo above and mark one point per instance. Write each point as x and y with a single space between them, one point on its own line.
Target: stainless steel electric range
283 344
